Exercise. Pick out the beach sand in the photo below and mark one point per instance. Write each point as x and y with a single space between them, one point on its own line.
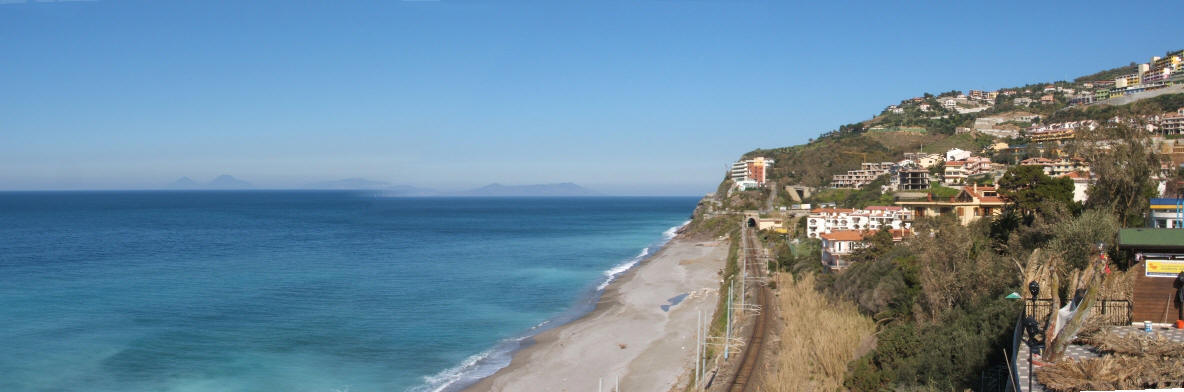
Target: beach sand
629 335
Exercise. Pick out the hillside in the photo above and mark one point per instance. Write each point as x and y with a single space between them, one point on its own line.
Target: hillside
943 295
814 163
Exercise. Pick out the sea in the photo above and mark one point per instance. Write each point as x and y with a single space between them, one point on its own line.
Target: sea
319 291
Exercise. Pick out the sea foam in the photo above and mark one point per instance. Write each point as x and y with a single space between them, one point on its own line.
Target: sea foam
488 362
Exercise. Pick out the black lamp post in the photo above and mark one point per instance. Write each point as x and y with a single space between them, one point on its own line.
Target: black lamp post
1033 329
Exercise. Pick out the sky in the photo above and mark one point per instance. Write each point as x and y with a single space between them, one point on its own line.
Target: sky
624 97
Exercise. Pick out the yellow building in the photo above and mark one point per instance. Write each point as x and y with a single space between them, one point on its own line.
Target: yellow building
969 205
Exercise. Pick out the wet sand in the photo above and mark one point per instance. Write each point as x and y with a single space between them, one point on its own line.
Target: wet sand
635 333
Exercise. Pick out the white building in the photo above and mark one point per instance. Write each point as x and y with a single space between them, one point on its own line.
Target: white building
750 171
957 154
827 220
1081 183
838 245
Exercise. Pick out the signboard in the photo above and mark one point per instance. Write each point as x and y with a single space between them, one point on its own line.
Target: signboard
1163 267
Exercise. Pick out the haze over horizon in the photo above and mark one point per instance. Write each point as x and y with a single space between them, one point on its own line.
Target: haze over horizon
454 95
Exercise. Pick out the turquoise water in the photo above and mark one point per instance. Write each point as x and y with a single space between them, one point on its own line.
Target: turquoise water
297 291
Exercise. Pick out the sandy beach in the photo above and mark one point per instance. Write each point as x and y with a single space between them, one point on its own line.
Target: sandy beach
634 334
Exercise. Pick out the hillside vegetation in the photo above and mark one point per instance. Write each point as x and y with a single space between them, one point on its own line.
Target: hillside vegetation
937 299
814 164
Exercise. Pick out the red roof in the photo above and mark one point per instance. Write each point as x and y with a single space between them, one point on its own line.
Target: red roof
860 235
843 235
832 210
978 192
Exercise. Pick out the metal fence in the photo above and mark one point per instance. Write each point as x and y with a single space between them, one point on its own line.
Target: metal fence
1109 311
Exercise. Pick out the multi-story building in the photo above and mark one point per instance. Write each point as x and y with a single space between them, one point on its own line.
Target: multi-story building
867 172
826 220
751 171
956 172
912 179
969 205
1064 166
1125 81
925 160
1160 69
1101 94
1172 123
1058 131
1167 213
838 246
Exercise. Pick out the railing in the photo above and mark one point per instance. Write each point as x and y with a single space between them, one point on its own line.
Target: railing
1013 367
1109 311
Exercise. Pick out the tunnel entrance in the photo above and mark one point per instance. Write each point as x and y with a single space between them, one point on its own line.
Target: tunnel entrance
751 222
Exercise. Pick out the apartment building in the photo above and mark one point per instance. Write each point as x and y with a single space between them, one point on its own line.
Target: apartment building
867 172
956 172
1172 123
827 220
747 173
911 179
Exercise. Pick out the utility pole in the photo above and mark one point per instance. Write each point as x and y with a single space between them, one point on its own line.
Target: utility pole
728 328
703 344
743 265
698 348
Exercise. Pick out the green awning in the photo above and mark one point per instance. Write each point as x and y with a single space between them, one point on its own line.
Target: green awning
1155 239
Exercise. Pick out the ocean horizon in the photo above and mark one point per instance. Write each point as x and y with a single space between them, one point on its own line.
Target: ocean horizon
300 290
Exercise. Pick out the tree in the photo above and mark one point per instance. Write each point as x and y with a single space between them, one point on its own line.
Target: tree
1124 162
1027 188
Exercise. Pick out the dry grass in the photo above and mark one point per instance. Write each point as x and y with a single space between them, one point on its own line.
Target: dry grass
1134 345
1112 372
817 338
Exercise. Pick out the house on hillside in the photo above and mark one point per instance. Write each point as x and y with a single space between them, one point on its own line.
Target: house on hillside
969 205
838 245
957 154
925 160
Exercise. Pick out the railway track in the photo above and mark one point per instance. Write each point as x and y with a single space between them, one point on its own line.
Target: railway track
742 381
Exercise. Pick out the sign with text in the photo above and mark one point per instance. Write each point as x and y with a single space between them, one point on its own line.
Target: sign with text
1163 268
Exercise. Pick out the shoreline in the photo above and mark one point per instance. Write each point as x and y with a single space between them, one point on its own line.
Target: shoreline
640 330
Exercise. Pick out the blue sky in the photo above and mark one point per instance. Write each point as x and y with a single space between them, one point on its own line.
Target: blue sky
626 97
